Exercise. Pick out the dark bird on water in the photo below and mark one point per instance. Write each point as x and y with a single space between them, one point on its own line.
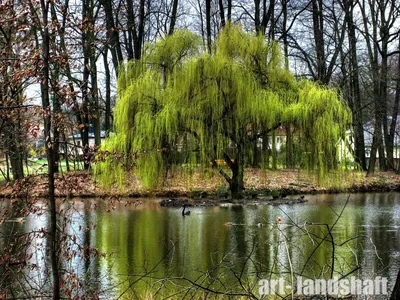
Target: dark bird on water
185 213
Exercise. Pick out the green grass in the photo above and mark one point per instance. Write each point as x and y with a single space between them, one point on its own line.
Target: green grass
39 166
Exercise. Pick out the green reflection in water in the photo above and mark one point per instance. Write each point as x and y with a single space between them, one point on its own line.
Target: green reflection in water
158 242
147 236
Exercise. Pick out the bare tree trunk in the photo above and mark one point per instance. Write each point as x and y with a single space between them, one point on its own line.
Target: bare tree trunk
16 161
131 30
95 106
290 159
377 137
269 17
354 98
66 153
53 245
229 14
396 107
54 78
377 44
15 150
257 22
138 41
263 17
383 93
108 115
393 121
173 17
285 33
222 13
208 25
201 23
84 128
56 133
8 167
67 69
318 26
371 39
112 34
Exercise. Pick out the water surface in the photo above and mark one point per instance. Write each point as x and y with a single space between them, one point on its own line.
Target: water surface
216 247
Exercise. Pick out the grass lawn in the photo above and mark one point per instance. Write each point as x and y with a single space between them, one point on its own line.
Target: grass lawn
39 166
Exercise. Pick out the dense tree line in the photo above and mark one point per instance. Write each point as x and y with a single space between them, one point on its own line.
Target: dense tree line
353 45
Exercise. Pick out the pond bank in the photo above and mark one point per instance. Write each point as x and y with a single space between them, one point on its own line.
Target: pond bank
260 184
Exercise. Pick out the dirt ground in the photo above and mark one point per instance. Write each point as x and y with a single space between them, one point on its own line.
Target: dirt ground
257 182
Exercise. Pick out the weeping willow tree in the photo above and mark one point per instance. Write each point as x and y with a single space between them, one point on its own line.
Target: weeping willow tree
180 105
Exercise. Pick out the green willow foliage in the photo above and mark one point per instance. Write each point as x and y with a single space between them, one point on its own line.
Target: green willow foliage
180 105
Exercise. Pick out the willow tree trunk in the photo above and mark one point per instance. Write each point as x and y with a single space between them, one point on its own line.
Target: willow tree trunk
290 161
256 155
236 184
274 151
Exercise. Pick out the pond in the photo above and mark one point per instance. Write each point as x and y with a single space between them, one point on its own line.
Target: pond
152 251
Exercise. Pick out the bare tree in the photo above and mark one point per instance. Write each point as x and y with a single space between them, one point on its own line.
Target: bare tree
16 69
354 95
45 87
378 34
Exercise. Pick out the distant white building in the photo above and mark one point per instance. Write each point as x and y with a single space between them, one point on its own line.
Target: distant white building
368 137
369 134
74 141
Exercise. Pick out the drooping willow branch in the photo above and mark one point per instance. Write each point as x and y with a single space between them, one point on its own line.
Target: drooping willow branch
222 100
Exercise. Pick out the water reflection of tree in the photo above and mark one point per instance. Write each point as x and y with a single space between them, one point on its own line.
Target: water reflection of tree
163 269
25 267
237 273
9 264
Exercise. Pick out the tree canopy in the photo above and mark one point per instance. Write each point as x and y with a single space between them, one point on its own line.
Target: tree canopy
180 104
